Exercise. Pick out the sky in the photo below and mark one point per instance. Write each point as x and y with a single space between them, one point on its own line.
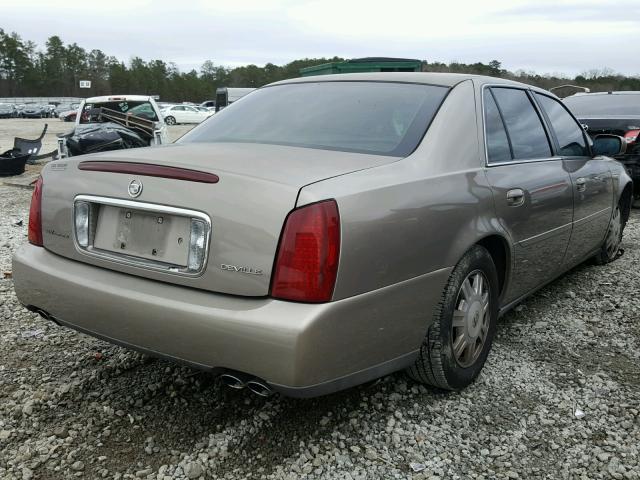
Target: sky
566 37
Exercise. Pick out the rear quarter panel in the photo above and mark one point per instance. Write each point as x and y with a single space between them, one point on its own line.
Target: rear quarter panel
419 214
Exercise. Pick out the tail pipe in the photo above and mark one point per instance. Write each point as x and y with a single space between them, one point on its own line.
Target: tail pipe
260 387
239 380
235 380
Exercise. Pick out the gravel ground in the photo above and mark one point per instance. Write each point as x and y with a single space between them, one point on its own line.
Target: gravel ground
558 398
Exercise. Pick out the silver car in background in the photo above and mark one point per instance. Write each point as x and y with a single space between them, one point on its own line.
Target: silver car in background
325 231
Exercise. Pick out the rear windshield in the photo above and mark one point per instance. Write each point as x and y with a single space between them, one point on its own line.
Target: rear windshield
380 118
91 111
625 104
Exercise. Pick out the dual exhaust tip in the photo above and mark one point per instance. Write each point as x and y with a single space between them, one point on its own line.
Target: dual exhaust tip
238 381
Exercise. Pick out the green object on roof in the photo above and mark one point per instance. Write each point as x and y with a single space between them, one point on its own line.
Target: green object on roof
369 64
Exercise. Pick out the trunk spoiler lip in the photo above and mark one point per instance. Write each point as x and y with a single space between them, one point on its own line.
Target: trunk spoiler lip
149 170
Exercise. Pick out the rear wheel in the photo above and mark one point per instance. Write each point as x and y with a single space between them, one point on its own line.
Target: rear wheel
611 246
170 120
457 343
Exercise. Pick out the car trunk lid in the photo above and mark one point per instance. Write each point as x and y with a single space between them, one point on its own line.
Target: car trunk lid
148 233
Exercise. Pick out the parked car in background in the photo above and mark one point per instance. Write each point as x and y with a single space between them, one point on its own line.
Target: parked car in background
34 110
184 114
208 111
65 107
616 113
69 115
326 231
163 105
19 108
208 104
7 110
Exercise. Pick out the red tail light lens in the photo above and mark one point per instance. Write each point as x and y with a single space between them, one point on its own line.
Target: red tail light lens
307 261
35 215
632 136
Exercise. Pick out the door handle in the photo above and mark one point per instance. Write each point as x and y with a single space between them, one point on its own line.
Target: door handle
515 197
581 184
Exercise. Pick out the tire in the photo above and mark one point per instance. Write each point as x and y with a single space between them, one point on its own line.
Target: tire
611 245
170 120
438 364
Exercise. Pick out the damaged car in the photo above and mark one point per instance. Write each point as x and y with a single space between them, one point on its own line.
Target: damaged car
114 123
613 113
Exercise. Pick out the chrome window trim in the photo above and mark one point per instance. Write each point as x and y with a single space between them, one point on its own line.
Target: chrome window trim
517 162
138 262
527 91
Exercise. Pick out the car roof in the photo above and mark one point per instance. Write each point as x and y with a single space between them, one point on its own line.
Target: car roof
428 78
114 98
625 92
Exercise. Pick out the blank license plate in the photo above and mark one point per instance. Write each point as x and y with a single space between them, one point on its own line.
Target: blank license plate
150 235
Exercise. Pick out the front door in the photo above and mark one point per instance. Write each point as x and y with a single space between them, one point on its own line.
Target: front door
531 188
590 177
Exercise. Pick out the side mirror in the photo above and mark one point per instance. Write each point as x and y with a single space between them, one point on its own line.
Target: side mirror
608 145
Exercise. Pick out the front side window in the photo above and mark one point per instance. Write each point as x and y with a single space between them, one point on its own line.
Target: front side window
523 125
382 118
568 132
498 149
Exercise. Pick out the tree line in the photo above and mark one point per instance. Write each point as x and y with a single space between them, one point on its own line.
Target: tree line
55 70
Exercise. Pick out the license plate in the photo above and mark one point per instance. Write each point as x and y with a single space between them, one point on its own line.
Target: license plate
150 235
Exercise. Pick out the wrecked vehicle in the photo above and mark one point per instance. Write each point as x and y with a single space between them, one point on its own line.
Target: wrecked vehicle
613 113
114 123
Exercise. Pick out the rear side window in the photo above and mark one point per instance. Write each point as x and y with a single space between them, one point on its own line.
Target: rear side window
568 132
523 125
382 118
498 148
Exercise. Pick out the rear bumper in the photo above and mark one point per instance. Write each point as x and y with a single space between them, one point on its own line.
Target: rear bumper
299 349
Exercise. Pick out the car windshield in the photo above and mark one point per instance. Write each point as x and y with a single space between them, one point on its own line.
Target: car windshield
383 118
144 109
591 104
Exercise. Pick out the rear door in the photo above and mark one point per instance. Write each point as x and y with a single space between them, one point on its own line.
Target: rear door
591 180
179 114
531 188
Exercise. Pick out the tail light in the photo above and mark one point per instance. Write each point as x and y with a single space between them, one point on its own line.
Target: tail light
632 136
35 215
307 260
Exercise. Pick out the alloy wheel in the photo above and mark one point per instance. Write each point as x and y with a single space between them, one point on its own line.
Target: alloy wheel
471 318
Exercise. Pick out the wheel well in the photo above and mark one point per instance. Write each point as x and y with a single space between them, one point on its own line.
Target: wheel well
626 200
499 251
